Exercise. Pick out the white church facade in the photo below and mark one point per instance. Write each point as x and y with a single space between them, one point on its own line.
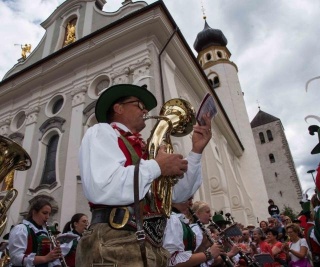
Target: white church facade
47 102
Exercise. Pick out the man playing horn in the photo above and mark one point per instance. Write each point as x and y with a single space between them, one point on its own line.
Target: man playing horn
108 155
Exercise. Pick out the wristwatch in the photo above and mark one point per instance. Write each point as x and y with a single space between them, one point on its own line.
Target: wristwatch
208 254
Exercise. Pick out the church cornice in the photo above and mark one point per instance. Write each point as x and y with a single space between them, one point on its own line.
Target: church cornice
220 61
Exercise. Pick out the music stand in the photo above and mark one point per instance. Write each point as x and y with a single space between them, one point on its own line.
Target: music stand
263 258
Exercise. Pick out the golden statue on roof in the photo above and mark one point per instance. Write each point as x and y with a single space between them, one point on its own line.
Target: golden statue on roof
25 49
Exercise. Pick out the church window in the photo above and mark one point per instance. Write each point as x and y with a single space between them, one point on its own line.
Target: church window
57 105
269 134
102 85
208 56
214 80
261 136
219 54
21 120
271 158
18 121
49 171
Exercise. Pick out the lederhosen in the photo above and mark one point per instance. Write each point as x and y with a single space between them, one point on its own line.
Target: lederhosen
38 243
154 222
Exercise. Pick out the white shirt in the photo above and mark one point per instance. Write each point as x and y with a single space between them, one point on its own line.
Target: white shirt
106 181
173 239
199 237
66 247
18 240
296 246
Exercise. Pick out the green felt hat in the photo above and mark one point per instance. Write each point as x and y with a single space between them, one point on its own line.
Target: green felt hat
218 218
113 93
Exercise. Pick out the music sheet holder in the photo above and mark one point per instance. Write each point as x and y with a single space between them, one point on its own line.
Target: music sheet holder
263 258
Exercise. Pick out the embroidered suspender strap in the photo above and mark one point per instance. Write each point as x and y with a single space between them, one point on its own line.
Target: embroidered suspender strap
134 156
139 218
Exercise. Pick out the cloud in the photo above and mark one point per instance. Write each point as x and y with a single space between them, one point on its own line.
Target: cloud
274 44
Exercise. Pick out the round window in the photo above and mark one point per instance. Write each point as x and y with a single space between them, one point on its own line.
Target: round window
55 105
18 121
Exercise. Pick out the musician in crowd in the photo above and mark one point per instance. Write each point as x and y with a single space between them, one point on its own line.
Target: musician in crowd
29 243
220 221
76 226
312 230
107 158
202 217
181 242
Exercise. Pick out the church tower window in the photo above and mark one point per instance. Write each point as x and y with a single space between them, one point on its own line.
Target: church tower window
271 158
261 136
269 134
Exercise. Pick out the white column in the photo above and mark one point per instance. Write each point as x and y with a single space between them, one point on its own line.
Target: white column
69 196
20 177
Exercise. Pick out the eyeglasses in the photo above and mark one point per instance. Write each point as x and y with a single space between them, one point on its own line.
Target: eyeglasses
140 104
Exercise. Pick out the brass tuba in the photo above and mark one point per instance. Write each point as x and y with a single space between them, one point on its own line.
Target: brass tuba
12 157
176 118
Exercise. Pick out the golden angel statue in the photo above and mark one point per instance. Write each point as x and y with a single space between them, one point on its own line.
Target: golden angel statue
25 49
71 34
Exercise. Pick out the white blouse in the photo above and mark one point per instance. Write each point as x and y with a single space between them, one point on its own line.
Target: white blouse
18 241
106 181
173 239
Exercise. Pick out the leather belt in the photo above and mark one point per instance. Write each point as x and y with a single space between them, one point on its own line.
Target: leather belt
116 217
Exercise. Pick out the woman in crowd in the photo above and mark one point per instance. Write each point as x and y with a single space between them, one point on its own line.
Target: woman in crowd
297 250
78 224
29 244
276 248
259 245
264 226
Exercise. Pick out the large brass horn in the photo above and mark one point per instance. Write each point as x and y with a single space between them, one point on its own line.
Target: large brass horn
176 118
12 157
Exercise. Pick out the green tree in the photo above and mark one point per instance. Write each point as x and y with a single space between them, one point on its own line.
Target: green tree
288 211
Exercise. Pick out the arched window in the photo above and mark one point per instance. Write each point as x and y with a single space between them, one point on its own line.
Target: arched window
271 158
269 134
214 80
262 140
49 171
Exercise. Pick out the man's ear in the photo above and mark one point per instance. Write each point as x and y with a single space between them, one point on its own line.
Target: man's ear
117 108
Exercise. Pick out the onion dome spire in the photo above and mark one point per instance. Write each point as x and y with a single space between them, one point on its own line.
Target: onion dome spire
209 37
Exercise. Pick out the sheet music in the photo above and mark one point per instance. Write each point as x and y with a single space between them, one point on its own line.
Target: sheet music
208 106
